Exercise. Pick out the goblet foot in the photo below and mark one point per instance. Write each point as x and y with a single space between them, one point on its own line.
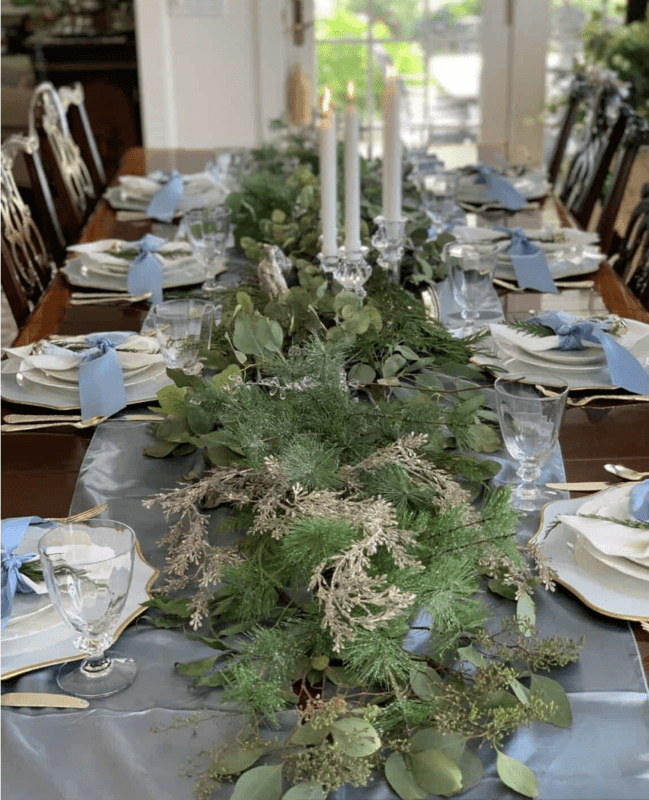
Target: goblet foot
99 677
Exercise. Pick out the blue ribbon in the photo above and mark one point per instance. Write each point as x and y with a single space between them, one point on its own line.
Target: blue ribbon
639 502
101 379
13 581
145 271
529 262
164 204
626 371
500 189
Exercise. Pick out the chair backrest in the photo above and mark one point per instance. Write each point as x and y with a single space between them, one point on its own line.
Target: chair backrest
74 189
581 89
27 267
589 167
631 257
636 134
73 102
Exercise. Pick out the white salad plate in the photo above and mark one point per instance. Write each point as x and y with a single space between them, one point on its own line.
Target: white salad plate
79 275
130 201
588 261
531 183
599 586
38 637
38 377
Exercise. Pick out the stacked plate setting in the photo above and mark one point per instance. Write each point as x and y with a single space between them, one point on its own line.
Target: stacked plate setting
29 375
568 251
529 182
521 351
105 264
135 192
603 562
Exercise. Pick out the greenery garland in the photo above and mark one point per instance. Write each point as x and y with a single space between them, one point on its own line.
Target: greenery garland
340 434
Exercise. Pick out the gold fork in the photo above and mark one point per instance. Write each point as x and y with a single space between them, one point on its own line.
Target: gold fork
84 423
95 511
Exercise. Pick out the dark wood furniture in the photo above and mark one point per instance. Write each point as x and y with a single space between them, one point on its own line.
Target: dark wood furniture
106 65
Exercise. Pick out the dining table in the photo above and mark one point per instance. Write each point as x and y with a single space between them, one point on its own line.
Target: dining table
130 746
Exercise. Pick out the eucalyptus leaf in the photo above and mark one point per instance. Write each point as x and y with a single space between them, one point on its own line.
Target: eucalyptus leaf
516 775
308 735
308 790
237 758
521 692
362 373
259 783
483 438
401 779
472 655
171 399
355 737
526 611
392 365
425 682
435 772
550 691
159 449
200 667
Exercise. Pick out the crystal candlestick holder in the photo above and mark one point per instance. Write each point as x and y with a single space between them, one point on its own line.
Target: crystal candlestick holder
389 240
352 270
328 264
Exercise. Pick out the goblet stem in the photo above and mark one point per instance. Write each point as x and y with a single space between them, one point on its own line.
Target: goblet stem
527 493
213 267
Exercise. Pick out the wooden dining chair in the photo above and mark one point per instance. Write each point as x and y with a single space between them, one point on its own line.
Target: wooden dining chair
73 102
74 191
27 266
630 258
581 90
589 167
636 135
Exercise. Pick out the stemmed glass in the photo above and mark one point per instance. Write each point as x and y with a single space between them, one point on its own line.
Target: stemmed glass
471 269
530 410
438 198
207 231
88 568
183 327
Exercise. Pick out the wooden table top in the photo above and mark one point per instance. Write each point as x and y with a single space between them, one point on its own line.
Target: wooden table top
40 468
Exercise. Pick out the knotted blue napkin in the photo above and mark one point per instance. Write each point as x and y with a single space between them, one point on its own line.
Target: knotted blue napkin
639 502
626 371
529 262
145 271
164 204
101 379
500 189
13 581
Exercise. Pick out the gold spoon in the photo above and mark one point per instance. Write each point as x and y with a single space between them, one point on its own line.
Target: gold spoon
625 472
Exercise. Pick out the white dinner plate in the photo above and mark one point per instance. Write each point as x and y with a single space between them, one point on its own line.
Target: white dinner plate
54 642
123 201
597 585
589 262
510 351
72 375
188 275
63 400
531 184
38 377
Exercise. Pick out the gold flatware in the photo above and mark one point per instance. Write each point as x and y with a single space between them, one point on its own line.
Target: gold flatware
116 298
583 486
559 284
84 423
89 513
42 700
626 473
30 422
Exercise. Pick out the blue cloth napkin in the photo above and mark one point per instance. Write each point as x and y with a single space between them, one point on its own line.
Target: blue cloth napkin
500 189
164 204
626 371
101 379
529 262
145 271
639 502
13 581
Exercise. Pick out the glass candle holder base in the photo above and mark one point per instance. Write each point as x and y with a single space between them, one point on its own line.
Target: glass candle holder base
352 271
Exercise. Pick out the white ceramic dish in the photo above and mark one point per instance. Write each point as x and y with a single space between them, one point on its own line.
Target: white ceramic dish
72 375
509 351
597 585
589 262
77 275
531 184
63 400
51 641
39 378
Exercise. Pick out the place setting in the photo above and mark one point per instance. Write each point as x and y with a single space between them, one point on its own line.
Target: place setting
598 548
72 586
596 353
164 196
99 373
507 188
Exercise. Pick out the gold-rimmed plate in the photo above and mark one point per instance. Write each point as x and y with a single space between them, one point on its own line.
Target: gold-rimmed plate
597 585
55 643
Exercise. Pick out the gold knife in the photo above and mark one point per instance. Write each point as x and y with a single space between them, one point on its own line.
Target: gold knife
42 699
584 486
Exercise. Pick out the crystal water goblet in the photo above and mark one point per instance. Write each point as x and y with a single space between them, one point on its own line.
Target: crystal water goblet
471 268
207 230
530 410
437 192
88 567
183 328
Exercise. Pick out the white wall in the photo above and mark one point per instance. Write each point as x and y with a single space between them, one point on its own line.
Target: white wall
211 81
